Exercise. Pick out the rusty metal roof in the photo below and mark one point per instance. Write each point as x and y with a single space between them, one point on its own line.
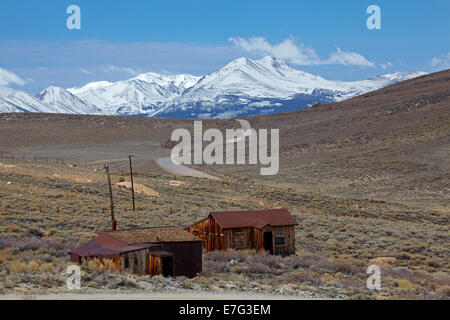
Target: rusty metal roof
153 235
106 246
255 218
113 243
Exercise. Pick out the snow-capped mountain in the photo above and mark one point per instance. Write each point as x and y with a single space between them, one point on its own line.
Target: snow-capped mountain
248 87
19 101
62 101
141 95
243 87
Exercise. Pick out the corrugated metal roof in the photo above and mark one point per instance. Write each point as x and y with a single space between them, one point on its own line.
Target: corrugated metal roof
153 235
106 246
255 218
113 243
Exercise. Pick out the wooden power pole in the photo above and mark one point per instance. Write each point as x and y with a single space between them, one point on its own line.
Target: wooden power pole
113 220
132 183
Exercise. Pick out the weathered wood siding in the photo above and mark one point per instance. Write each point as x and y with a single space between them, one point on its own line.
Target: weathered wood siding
239 238
117 263
215 238
210 233
284 240
135 262
155 265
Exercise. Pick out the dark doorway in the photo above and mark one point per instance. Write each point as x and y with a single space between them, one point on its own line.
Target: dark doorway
167 266
267 242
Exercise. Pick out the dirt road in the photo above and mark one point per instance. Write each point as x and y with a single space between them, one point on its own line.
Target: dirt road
179 169
168 165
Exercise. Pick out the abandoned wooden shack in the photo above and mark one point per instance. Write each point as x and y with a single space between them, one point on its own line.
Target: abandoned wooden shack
167 251
269 230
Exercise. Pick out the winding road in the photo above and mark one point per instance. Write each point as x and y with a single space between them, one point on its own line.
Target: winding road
182 170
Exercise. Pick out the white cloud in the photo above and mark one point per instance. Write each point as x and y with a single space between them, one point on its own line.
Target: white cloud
348 58
441 63
86 71
130 71
8 77
300 54
386 65
286 50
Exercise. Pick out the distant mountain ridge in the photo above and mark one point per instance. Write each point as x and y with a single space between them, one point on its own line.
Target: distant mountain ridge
65 101
244 87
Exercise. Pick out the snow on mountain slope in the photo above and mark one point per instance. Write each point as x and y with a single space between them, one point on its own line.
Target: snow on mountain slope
272 78
265 78
243 87
248 87
355 88
19 101
65 102
137 96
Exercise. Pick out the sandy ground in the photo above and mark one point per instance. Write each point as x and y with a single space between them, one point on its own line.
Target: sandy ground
155 296
138 188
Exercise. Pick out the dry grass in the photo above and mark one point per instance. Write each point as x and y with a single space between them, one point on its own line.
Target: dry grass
367 179
335 241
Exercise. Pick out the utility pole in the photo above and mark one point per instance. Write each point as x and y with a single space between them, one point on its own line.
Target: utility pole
113 220
132 183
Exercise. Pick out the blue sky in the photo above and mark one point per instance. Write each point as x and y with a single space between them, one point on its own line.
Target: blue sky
119 39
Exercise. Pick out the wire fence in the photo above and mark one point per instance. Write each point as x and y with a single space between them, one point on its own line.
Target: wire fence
7 155
351 212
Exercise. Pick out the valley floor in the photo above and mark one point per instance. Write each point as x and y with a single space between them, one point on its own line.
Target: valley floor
48 208
367 179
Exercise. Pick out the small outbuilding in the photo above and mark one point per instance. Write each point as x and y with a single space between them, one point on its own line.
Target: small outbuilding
269 230
167 251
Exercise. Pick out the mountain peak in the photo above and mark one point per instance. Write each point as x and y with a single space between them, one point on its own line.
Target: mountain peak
61 100
268 62
53 88
149 77
52 91
242 87
238 63
272 61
